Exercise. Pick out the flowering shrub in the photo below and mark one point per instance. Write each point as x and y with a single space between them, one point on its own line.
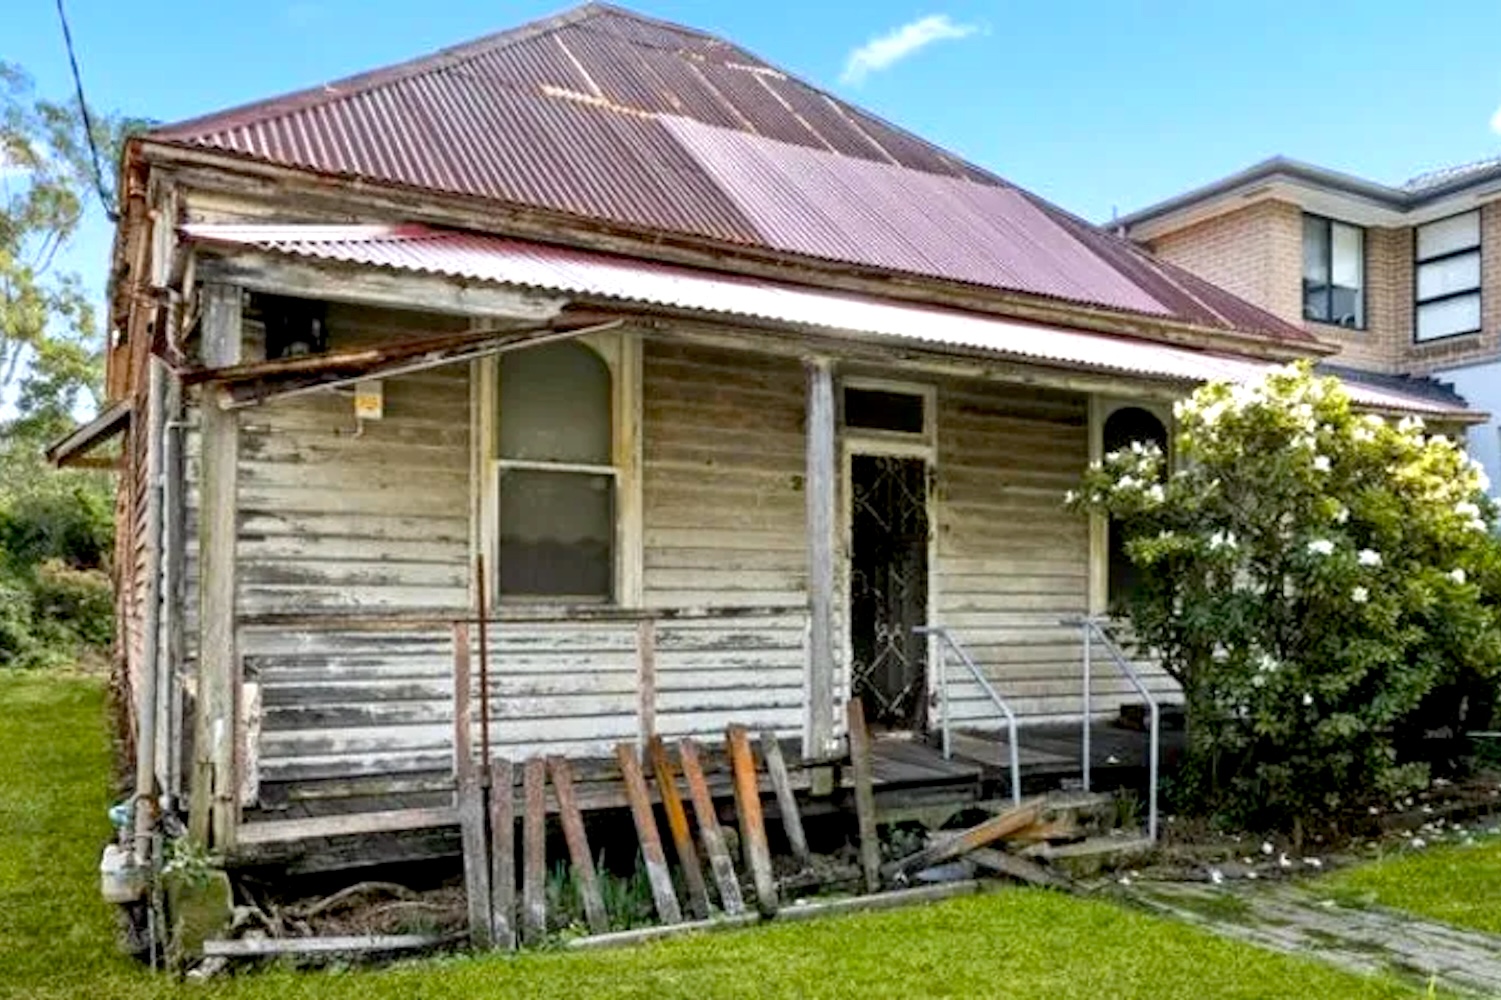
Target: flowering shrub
1309 576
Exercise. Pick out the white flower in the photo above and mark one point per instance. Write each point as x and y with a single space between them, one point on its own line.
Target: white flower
1408 425
1321 547
1374 420
1070 497
1341 514
1258 680
1457 575
1155 493
1182 408
1363 435
1467 509
1307 699
1417 843
1284 860
1216 876
1360 595
1369 557
1126 482
1478 525
1267 664
1222 540
1313 862
1321 463
1266 847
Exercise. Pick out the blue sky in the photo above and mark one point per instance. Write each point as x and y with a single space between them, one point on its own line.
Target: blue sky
1094 105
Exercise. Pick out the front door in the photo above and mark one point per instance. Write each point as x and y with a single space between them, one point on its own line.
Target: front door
888 582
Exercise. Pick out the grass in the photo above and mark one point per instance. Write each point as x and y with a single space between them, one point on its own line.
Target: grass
55 933
1455 883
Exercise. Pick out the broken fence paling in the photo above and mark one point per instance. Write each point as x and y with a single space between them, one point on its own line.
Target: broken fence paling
486 812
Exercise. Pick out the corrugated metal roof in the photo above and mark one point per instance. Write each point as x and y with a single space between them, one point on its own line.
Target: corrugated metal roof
605 278
603 114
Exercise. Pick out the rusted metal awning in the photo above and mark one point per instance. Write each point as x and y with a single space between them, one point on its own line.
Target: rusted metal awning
602 279
73 450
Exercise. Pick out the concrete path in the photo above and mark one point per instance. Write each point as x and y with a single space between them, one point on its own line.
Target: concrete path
1301 920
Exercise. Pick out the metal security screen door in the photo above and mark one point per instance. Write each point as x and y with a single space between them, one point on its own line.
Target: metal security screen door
889 587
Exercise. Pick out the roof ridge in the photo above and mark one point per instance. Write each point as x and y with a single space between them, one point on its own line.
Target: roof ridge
373 79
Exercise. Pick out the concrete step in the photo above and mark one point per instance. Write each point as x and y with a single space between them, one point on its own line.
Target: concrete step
1093 855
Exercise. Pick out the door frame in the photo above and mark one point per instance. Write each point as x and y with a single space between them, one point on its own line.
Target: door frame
890 444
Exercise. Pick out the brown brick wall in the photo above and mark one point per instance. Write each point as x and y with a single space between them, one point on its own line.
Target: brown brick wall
1255 252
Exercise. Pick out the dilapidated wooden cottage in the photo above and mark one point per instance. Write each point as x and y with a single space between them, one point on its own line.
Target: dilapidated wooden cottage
714 397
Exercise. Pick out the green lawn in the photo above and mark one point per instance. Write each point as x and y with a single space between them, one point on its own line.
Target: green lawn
1455 883
55 932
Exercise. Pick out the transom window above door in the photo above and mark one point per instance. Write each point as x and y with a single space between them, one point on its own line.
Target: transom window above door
887 409
1333 272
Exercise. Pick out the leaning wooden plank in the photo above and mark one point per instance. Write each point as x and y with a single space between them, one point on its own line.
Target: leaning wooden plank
708 829
476 856
503 854
677 822
463 753
360 944
752 825
578 846
792 820
1015 867
865 794
534 852
646 830
961 843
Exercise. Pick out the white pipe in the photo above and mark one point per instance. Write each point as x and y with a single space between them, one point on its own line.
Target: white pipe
145 785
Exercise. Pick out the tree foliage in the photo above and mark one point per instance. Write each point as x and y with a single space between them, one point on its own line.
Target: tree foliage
55 527
1312 577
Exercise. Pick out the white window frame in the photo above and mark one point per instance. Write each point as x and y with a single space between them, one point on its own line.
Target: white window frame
621 353
1477 292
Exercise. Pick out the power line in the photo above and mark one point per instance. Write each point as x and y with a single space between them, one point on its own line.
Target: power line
88 124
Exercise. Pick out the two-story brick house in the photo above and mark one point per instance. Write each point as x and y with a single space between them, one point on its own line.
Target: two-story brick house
1405 280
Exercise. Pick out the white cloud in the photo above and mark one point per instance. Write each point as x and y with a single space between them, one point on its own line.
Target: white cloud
894 46
1496 122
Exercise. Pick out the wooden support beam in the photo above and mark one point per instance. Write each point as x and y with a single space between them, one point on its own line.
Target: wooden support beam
476 857
218 659
865 795
646 830
534 849
708 830
781 783
752 824
463 746
503 854
821 489
677 823
646 678
578 846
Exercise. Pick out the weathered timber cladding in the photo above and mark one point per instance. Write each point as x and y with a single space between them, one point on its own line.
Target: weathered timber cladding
725 526
1011 561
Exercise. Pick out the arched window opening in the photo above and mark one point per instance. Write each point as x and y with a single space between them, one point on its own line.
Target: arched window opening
556 495
1124 427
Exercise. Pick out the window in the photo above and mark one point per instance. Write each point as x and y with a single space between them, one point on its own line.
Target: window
1446 284
556 494
1123 428
884 410
1333 272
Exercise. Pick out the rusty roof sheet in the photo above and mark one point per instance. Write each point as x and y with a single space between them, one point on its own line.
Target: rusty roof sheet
605 115
597 278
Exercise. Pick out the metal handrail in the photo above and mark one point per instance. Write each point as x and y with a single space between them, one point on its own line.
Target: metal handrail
979 677
1092 630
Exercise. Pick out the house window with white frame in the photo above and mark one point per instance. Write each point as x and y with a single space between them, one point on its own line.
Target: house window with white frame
1333 272
1446 282
557 481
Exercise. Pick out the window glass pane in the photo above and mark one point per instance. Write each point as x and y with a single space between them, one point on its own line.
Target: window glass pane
1315 268
1459 232
555 405
1449 316
1452 274
1347 274
883 411
556 534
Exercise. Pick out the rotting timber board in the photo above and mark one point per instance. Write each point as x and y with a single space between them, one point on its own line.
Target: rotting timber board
720 864
502 854
677 823
657 874
578 846
865 798
534 852
792 820
752 822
